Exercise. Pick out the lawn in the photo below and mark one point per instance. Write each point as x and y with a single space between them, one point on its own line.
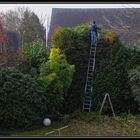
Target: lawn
90 124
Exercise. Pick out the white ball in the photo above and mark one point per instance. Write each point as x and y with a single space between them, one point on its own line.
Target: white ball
47 122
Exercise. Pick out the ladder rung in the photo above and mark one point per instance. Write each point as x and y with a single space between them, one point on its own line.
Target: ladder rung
90 66
90 75
90 72
91 51
91 62
90 78
87 105
87 98
89 87
87 102
91 69
88 90
89 82
92 56
87 108
91 59
87 95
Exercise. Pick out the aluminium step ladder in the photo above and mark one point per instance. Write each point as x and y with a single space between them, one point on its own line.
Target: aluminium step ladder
88 86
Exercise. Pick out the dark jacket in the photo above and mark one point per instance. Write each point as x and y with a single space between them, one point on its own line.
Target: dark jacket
94 28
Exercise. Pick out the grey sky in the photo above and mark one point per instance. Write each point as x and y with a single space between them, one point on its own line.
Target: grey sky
46 9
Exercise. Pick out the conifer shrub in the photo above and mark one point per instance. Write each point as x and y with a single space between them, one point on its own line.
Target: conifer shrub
56 77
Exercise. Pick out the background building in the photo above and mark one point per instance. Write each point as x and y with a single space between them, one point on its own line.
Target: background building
125 21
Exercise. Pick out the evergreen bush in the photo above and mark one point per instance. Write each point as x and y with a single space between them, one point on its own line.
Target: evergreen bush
113 61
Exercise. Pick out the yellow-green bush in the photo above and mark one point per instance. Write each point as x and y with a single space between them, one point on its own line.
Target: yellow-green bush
56 76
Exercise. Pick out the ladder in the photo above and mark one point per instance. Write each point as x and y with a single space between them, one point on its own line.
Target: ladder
88 85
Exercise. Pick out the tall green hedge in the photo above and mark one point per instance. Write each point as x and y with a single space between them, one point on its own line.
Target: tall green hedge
113 60
111 76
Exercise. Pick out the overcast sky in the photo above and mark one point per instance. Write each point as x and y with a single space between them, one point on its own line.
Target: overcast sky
43 9
46 9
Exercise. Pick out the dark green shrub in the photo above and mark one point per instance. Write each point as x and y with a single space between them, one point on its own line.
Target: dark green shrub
113 60
23 103
134 78
111 76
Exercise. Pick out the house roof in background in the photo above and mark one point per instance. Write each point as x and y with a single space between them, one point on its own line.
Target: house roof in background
125 21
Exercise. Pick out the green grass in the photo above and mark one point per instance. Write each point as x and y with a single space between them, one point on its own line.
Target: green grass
91 124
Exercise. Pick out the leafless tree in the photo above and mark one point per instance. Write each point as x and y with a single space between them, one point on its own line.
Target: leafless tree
25 23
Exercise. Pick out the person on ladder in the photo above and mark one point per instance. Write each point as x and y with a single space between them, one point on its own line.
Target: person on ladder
93 33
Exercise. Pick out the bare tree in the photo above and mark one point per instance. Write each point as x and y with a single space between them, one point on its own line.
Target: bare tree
25 23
